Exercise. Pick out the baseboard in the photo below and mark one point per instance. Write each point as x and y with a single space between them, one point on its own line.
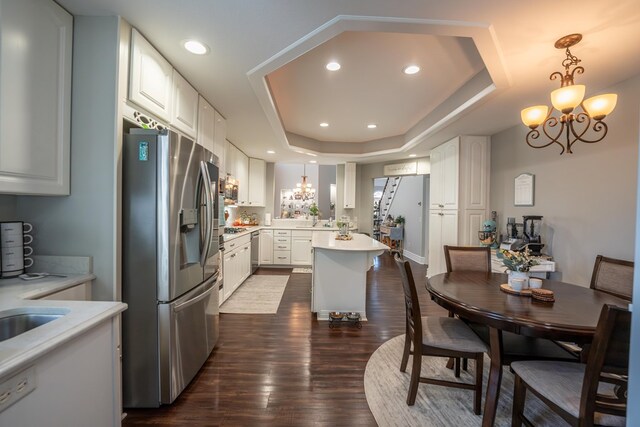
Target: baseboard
413 257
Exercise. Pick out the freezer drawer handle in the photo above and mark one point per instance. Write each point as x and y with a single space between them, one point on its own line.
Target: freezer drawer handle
193 300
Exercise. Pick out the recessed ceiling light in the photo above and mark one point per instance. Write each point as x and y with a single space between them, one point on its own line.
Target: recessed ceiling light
372 126
332 66
271 152
324 125
312 161
412 155
196 47
411 69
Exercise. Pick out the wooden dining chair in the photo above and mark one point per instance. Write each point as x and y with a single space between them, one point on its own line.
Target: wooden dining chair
438 337
613 276
584 395
610 275
467 258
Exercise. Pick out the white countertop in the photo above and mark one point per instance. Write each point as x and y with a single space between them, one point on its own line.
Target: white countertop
360 242
231 236
18 296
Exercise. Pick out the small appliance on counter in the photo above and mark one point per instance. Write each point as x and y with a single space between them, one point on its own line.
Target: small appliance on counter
14 238
513 242
532 225
488 234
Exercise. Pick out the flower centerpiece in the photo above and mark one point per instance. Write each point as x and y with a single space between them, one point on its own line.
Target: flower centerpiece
518 264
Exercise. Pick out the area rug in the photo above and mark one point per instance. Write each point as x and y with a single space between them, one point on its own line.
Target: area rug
302 270
386 390
259 294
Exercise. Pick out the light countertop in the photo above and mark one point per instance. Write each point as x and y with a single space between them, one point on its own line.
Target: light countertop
18 296
231 236
360 242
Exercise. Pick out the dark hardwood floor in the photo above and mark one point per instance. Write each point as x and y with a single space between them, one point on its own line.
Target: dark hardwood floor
289 369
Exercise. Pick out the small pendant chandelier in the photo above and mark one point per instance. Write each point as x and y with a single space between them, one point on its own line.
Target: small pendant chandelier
572 125
304 186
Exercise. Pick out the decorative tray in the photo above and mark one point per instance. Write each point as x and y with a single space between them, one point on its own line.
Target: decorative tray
347 237
508 289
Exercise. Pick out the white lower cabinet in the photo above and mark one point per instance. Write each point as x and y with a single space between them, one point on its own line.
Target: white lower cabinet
443 230
236 263
76 384
301 247
266 247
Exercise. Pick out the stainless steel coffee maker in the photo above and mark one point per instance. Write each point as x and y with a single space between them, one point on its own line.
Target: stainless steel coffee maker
14 240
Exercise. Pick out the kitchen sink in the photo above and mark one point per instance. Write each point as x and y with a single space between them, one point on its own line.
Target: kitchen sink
12 325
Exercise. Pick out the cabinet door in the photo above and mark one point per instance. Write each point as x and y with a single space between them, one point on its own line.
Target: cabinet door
435 180
229 274
245 259
220 140
349 185
206 121
35 106
300 251
443 230
266 247
150 80
242 170
257 176
184 111
230 159
450 162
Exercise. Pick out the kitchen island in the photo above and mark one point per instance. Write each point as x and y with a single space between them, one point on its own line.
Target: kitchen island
339 281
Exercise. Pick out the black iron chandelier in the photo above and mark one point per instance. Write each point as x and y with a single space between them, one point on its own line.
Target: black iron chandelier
572 125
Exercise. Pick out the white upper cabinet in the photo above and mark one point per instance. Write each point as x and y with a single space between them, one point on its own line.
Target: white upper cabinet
349 185
242 175
257 176
206 124
35 106
444 175
150 80
184 112
230 159
220 140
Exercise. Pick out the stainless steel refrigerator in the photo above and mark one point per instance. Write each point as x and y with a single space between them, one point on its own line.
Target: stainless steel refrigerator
170 264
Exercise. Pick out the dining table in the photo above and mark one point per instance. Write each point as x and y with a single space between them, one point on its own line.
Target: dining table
478 298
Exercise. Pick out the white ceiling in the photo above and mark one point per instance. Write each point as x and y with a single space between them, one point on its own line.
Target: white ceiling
250 40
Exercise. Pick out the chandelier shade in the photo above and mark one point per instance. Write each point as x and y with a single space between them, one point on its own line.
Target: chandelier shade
567 98
578 116
534 116
600 106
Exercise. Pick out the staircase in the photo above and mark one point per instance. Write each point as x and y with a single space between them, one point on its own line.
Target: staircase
388 194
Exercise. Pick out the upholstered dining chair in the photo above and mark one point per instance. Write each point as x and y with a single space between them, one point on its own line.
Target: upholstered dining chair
438 337
467 258
584 395
613 276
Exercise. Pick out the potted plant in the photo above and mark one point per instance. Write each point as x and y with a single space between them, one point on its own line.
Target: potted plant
313 210
518 264
399 221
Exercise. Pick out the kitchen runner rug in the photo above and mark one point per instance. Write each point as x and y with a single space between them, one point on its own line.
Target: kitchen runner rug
386 391
302 270
259 294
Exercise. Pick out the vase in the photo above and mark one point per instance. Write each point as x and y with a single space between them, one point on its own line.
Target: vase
519 275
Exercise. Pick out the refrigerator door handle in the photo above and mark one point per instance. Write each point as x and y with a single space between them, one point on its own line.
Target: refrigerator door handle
209 212
197 298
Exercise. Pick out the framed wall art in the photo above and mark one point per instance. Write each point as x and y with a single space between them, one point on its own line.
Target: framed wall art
524 189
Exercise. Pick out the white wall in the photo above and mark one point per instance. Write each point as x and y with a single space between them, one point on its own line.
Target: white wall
588 198
409 203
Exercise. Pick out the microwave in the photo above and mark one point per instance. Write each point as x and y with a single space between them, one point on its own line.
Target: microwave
230 190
